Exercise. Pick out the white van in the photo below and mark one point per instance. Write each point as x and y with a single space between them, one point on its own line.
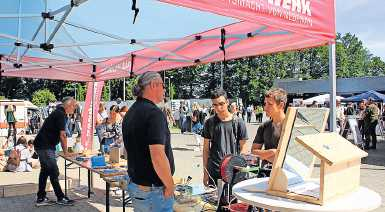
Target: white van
24 109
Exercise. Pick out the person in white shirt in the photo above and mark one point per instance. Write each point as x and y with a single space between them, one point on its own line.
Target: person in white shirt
340 114
24 154
100 119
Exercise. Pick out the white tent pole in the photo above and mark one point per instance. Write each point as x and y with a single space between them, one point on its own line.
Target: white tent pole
59 25
62 9
333 85
26 15
45 21
73 40
33 38
18 33
333 82
124 89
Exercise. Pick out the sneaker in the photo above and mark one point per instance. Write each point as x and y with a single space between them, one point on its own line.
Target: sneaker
43 202
65 201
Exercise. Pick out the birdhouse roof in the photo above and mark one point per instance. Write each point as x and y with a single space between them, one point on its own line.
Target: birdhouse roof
331 147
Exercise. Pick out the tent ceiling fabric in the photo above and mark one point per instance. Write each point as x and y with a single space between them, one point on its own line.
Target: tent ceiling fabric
307 17
262 33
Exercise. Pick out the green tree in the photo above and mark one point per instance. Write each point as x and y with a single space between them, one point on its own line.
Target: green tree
106 92
376 67
43 97
130 83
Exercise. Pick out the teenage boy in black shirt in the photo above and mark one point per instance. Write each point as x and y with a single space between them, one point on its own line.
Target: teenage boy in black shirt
269 132
146 136
51 133
223 133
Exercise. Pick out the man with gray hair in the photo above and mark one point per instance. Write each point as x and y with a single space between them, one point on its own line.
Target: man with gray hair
49 135
150 161
269 132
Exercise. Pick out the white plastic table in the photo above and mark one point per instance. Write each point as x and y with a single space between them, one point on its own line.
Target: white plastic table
250 192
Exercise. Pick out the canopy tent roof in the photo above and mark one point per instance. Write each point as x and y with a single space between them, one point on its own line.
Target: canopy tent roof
272 28
321 99
378 97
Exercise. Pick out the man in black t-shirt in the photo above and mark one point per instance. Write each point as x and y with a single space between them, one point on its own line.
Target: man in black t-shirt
269 132
223 133
50 134
146 136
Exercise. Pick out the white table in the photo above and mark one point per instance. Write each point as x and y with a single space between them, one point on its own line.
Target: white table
249 191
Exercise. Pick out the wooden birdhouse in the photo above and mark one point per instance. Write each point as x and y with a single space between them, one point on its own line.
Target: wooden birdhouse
302 141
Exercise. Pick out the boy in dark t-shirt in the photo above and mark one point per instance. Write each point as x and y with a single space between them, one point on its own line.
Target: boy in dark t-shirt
223 134
269 132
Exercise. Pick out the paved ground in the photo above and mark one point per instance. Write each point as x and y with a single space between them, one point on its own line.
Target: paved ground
188 163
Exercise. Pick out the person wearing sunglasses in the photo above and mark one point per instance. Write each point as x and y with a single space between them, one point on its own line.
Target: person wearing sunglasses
224 133
146 136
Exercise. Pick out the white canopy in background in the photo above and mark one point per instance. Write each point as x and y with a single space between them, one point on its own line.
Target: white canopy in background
321 99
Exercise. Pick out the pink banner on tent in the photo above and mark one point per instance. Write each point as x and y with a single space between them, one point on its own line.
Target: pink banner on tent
307 17
88 124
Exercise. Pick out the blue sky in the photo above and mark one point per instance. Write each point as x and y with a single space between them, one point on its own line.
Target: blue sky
365 18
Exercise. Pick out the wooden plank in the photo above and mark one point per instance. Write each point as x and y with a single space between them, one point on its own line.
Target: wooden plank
341 179
282 146
322 182
331 147
294 196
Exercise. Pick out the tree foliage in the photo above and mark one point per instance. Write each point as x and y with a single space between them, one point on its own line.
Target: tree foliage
43 97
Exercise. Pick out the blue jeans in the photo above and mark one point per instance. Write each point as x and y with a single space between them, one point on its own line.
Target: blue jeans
149 201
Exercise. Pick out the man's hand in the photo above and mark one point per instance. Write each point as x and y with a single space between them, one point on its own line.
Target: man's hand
205 179
264 154
169 191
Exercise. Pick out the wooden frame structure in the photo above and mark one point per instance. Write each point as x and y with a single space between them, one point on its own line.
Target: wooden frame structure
340 160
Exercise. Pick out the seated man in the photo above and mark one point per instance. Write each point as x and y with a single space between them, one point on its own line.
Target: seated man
269 132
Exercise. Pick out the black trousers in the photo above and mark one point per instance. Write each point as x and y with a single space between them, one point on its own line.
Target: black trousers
248 117
370 135
49 169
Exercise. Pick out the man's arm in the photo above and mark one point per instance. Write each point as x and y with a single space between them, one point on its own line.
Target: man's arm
63 141
242 146
162 168
263 154
206 149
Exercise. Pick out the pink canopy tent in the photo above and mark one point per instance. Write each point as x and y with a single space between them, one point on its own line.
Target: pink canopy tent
269 26
266 26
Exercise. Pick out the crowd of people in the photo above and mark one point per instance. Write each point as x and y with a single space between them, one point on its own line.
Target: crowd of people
192 119
369 114
143 133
